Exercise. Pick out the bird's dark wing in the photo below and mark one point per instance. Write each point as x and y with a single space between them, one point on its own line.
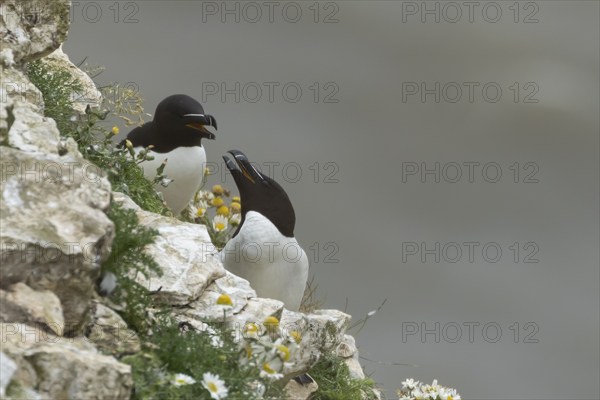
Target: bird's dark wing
142 136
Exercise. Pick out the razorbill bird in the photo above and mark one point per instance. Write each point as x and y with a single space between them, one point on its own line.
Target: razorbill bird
175 134
263 250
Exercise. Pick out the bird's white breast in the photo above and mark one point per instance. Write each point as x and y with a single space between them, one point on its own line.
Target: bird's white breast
185 166
275 265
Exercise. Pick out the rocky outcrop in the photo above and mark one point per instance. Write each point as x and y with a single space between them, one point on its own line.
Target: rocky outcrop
181 250
33 29
109 333
193 276
61 368
23 304
297 390
59 339
54 231
7 369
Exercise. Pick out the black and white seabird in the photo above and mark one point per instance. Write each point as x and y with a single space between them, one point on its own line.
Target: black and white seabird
175 134
280 269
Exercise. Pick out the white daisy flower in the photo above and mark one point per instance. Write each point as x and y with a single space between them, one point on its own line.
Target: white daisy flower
220 223
409 384
449 394
417 394
205 195
251 331
431 391
420 391
269 370
201 209
235 219
215 386
182 380
255 352
282 351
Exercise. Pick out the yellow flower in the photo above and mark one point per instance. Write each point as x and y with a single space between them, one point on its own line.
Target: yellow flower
225 300
182 380
223 210
218 190
267 368
271 321
128 144
115 130
218 201
296 336
268 371
236 199
283 352
236 207
251 330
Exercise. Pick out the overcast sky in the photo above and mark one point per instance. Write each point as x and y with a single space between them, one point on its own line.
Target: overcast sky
442 156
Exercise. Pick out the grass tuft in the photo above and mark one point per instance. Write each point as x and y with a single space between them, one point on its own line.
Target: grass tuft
335 382
310 302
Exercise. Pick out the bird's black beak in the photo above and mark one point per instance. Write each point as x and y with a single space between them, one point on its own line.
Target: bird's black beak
243 165
199 121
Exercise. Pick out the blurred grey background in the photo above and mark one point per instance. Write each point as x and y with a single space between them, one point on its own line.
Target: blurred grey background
356 134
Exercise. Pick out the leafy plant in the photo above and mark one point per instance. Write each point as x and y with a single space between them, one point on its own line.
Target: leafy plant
126 260
57 87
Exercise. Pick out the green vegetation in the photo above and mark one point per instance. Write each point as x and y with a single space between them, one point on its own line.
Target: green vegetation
93 138
127 258
335 382
56 87
192 353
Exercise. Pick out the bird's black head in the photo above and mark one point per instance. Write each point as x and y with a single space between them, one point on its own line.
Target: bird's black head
181 120
262 194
